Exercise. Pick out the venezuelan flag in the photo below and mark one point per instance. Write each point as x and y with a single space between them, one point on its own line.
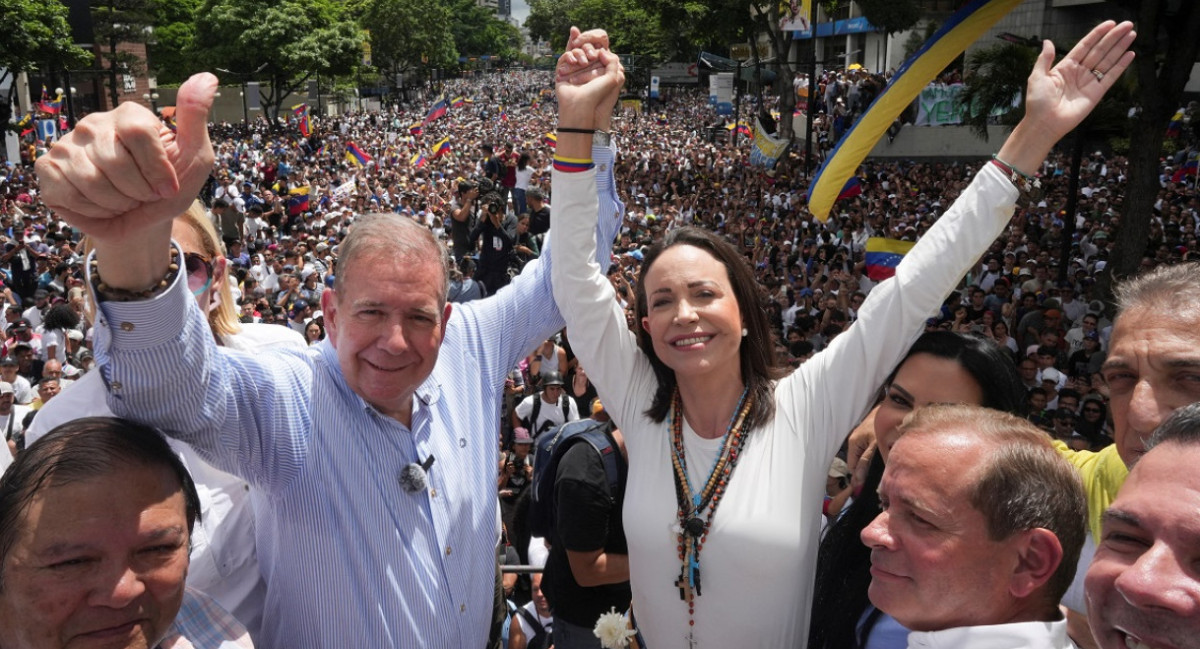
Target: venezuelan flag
416 129
438 110
418 160
1189 168
1175 126
883 255
48 105
964 27
852 188
357 156
550 139
300 112
442 147
458 102
297 202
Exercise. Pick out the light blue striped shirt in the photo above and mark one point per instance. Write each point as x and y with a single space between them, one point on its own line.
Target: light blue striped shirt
349 557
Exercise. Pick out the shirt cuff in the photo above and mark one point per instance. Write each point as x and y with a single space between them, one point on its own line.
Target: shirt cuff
148 323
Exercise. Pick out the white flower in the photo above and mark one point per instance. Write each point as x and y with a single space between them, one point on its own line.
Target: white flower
613 631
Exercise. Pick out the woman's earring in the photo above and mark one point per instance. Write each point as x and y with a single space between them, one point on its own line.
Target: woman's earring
745 332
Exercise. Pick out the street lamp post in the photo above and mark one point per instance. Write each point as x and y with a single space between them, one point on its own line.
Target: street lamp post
152 97
70 94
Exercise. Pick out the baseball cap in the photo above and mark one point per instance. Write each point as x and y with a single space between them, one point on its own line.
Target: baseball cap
839 469
521 436
1051 374
1064 413
21 324
6 388
8 361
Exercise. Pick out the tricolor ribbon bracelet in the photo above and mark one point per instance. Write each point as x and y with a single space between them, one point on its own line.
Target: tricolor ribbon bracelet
572 165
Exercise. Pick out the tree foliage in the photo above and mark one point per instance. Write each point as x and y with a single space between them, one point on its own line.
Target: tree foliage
477 31
284 43
408 33
891 15
121 21
994 76
169 50
36 37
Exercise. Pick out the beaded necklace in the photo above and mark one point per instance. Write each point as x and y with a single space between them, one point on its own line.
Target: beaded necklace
693 520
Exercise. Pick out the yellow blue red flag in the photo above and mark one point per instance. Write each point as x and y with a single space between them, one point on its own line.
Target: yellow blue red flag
883 255
963 28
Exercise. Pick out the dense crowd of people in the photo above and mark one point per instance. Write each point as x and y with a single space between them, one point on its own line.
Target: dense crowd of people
271 238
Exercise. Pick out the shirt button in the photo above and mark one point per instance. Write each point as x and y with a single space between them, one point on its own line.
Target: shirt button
447 550
126 326
462 608
603 166
115 386
433 493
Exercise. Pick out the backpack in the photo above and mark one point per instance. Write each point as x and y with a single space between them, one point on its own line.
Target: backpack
537 408
541 636
549 450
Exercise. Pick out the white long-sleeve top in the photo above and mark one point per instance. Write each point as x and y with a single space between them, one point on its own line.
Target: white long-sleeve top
759 560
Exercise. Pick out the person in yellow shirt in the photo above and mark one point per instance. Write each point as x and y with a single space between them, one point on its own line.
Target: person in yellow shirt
1152 369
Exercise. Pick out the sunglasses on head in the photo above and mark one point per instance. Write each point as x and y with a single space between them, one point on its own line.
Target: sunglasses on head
199 272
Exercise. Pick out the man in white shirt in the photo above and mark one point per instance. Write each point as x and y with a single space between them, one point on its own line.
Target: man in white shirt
547 409
980 532
11 417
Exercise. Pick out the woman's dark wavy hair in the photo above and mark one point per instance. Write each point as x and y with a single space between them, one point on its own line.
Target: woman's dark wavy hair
760 368
843 561
60 316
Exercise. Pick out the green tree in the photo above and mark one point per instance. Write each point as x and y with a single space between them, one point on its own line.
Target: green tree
407 34
169 50
115 22
1166 48
284 43
477 31
995 75
36 36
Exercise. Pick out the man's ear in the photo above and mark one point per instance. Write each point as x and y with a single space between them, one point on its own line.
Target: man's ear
1039 554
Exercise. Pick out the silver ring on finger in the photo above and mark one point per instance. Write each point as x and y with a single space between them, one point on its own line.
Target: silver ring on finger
1098 74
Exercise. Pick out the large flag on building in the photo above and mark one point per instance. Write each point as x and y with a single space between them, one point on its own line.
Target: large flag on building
883 255
964 27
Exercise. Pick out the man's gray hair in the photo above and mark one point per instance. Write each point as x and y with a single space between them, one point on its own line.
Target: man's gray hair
1182 427
396 236
1173 289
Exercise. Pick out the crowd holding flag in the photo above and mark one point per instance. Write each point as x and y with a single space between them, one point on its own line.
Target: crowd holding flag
883 255
416 129
48 105
438 110
458 102
297 202
1175 126
356 156
418 160
442 147
300 112
963 28
1189 168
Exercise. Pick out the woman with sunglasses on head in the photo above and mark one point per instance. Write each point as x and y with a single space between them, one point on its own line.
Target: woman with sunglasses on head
727 457
223 563
941 367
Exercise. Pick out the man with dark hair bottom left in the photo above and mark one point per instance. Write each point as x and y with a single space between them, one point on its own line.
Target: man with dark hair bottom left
95 524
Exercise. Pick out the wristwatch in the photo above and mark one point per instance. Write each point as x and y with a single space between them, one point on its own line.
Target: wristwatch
601 138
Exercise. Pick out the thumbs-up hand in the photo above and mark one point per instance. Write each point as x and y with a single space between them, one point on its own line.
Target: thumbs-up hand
123 171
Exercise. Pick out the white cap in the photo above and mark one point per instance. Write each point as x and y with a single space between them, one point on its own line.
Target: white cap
1051 374
6 388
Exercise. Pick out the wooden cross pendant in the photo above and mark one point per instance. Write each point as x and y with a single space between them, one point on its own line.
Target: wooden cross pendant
685 587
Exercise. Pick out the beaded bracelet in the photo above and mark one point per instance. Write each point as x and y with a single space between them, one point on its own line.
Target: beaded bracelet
1022 180
109 294
583 131
572 165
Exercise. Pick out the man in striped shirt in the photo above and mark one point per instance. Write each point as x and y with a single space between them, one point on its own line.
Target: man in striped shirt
362 538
